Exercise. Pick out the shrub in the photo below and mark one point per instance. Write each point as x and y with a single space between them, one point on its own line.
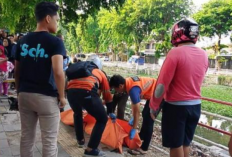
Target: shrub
225 80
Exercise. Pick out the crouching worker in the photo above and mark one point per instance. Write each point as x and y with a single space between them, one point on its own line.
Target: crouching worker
85 81
137 88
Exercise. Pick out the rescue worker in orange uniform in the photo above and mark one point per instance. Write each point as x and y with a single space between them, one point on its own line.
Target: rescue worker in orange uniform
137 88
84 93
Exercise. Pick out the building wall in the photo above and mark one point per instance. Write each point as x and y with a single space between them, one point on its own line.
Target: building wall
151 59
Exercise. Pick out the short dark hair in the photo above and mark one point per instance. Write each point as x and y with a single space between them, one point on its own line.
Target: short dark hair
10 35
43 9
116 80
75 60
20 35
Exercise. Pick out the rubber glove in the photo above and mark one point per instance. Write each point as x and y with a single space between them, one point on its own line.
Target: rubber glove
131 121
132 133
112 117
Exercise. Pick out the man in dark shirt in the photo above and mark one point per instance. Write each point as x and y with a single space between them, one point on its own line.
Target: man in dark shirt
40 81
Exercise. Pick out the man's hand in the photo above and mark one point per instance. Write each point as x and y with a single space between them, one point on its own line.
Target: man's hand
63 102
132 134
153 114
136 114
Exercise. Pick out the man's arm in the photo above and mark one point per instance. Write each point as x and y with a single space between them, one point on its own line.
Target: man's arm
105 87
135 99
17 66
57 66
17 75
165 77
136 114
105 90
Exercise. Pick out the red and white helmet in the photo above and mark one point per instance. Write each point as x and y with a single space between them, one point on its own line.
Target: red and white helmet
185 30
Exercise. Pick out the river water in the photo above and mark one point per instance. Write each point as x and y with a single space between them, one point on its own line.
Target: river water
211 135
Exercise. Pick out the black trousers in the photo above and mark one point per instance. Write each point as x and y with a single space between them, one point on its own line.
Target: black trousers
120 99
91 102
147 127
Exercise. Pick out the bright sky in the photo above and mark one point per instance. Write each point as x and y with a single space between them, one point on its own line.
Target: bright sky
198 3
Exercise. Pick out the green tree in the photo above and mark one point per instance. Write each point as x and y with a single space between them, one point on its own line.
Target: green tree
165 14
17 15
20 13
110 38
89 34
143 20
215 18
72 40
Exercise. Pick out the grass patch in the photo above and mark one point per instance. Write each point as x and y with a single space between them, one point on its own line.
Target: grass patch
219 92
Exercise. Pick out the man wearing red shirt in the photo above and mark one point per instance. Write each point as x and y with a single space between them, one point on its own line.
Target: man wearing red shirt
230 146
179 84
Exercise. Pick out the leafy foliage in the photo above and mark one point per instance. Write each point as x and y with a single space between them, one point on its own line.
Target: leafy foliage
165 14
215 18
19 14
217 92
225 80
142 20
89 35
110 38
87 7
72 40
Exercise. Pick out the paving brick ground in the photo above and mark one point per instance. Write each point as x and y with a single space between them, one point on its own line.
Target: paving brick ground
67 145
10 130
10 134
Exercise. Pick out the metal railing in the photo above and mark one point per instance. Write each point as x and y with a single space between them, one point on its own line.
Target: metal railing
210 127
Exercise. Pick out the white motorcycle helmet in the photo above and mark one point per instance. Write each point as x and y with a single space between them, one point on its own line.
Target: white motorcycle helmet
96 60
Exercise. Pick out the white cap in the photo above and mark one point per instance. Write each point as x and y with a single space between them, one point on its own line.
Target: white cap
96 60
